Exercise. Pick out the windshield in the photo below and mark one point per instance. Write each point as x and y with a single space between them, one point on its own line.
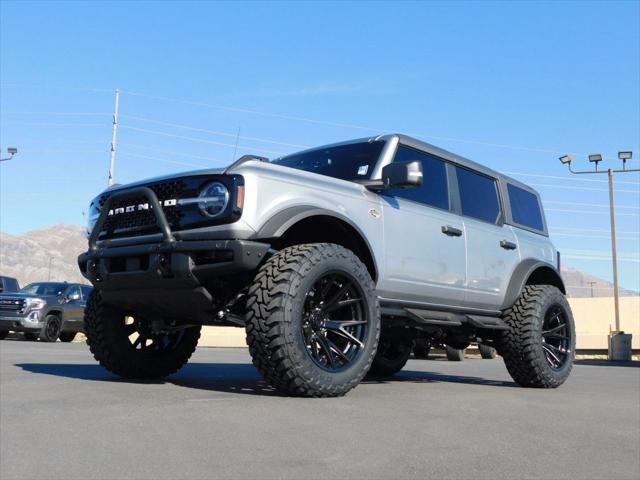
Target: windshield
354 161
44 289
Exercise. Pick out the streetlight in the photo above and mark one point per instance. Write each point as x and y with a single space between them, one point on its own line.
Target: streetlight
619 349
11 151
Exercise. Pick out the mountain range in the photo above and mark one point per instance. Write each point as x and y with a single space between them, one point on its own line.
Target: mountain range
50 254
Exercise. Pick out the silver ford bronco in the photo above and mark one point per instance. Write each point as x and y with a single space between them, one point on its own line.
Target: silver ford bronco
335 260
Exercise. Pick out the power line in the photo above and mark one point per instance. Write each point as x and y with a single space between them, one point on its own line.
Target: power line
55 87
57 113
146 157
571 179
213 132
171 152
51 124
582 212
591 230
341 125
198 140
572 187
557 202
577 235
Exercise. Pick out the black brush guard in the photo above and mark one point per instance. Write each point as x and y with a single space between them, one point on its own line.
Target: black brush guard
164 277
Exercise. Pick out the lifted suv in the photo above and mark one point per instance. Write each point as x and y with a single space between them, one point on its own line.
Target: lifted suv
335 260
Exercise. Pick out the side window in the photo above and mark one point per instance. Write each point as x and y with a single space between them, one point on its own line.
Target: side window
525 207
478 195
85 292
434 189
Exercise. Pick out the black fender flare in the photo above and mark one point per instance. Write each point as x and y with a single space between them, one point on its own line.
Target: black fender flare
280 222
523 272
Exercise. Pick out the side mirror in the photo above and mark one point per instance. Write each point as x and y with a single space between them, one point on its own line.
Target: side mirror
402 175
74 297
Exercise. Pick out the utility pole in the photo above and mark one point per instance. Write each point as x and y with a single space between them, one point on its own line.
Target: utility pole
50 260
619 342
114 133
591 284
614 250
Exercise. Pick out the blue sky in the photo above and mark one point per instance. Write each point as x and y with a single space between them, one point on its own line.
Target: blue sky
510 85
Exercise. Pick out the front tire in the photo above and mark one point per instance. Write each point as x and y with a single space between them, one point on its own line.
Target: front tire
51 329
313 320
128 347
539 346
3 334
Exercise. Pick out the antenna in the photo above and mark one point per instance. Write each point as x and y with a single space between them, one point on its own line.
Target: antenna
235 149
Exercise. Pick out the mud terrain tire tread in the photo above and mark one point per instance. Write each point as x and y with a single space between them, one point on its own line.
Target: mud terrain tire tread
101 324
269 313
520 345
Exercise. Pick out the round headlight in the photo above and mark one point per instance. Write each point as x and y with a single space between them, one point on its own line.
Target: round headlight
213 199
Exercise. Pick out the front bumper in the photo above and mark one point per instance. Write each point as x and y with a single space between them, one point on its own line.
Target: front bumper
178 264
30 323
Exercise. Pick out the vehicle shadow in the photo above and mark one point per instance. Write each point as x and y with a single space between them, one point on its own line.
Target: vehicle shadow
239 378
607 363
411 376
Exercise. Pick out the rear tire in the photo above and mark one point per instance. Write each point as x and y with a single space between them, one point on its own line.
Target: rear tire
539 346
313 320
391 357
421 348
487 352
455 354
51 329
127 347
67 336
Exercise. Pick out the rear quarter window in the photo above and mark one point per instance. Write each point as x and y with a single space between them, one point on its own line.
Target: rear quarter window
525 208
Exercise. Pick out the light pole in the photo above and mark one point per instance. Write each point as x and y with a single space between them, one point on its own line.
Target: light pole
617 339
11 151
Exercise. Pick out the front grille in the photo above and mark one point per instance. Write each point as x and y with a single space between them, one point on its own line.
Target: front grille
139 222
12 307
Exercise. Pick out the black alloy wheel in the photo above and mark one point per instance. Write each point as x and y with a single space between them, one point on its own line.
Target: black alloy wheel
334 321
556 337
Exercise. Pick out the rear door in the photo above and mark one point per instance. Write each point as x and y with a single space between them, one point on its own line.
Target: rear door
492 247
424 242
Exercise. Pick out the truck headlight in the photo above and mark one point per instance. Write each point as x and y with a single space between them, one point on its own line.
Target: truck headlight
213 199
32 304
92 216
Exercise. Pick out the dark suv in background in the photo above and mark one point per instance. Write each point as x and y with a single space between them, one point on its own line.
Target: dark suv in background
45 310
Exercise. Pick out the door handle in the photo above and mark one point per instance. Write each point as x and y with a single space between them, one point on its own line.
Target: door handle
451 231
507 245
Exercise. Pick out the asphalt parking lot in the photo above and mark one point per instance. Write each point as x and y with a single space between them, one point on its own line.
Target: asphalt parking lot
63 416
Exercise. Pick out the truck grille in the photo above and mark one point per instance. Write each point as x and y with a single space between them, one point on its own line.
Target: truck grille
140 222
12 307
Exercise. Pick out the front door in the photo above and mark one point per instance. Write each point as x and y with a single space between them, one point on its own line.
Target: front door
424 242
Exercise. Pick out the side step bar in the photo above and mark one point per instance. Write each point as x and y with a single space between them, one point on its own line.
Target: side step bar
448 319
